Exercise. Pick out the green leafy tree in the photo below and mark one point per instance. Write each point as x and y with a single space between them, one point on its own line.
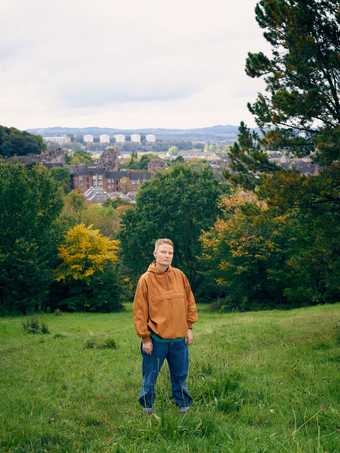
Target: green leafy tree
313 206
77 210
244 253
177 203
301 107
247 162
173 151
63 178
30 203
133 160
140 164
104 218
73 208
15 142
79 158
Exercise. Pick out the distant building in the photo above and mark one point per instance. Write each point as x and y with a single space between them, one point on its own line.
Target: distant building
83 178
107 176
150 138
104 139
119 138
59 140
109 159
53 156
303 165
135 138
88 138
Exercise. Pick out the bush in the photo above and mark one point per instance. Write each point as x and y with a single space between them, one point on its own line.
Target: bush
108 343
90 344
35 326
100 294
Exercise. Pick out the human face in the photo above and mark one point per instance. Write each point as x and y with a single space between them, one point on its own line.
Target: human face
164 254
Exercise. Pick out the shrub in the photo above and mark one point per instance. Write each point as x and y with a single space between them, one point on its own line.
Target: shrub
35 326
90 343
108 343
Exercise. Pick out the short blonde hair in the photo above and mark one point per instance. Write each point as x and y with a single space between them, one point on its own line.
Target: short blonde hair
163 241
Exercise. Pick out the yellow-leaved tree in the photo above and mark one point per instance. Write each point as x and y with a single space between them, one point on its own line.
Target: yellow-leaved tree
84 253
87 277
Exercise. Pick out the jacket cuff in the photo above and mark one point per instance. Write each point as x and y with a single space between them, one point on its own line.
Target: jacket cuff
146 338
189 325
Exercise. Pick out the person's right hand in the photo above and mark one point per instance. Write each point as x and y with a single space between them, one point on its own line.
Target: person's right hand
147 347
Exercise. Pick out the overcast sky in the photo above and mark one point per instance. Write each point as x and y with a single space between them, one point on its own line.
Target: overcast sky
126 64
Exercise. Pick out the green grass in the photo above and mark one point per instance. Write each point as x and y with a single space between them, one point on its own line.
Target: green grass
261 382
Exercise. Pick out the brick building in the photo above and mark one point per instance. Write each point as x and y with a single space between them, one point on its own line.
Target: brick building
106 175
84 177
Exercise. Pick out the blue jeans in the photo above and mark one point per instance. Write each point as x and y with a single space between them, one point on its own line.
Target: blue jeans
177 355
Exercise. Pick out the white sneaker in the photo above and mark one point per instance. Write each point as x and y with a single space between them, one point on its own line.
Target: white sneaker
184 409
148 410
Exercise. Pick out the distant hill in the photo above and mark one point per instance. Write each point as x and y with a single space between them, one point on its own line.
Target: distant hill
219 133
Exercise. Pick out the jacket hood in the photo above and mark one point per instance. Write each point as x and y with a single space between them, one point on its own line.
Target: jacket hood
152 268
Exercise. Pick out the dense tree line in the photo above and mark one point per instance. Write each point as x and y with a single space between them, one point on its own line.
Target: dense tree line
15 142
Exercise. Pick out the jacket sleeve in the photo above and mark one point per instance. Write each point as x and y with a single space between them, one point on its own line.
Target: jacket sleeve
192 315
141 310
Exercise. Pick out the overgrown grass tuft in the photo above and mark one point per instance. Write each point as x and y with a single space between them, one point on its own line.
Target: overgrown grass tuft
107 343
35 326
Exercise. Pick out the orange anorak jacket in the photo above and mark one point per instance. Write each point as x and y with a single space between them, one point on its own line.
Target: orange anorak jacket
163 304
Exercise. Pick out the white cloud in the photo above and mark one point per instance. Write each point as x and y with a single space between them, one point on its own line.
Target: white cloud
145 63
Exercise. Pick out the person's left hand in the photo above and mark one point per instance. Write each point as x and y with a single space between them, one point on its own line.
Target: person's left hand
189 336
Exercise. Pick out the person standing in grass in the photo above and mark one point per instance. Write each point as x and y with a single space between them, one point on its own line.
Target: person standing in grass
164 311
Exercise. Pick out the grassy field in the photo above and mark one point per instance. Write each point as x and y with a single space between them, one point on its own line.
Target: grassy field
261 382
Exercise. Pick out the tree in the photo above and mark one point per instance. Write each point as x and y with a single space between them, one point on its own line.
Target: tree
103 218
173 151
312 205
74 206
301 108
87 273
79 158
84 253
142 163
14 142
247 160
77 210
63 177
133 160
30 203
177 203
244 253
